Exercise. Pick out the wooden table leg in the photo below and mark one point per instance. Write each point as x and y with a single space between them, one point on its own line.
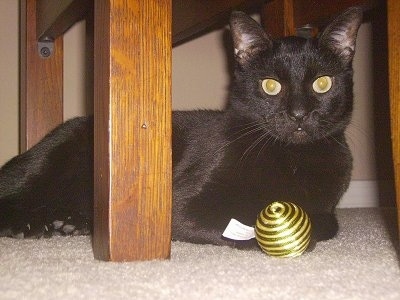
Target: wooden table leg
41 82
132 129
394 89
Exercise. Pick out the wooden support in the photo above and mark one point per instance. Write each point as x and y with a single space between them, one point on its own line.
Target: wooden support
278 18
56 17
283 17
192 16
132 129
319 12
393 11
41 93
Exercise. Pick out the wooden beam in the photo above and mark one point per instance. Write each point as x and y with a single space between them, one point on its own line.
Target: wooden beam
284 17
41 93
56 17
393 11
192 16
132 112
319 12
278 18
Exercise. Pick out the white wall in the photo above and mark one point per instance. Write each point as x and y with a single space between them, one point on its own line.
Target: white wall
8 79
74 71
200 80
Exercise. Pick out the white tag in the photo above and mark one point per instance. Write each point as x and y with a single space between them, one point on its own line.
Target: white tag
238 231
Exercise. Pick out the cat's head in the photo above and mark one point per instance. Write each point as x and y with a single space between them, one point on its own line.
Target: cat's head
296 90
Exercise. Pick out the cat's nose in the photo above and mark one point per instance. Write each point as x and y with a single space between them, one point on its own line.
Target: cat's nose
297 114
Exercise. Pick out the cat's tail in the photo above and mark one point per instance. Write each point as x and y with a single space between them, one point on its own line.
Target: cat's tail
17 177
21 172
50 184
14 176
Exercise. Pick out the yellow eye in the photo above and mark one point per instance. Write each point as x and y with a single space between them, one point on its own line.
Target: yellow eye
271 86
322 84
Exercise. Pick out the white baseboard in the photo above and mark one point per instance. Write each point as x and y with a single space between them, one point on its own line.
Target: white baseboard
363 194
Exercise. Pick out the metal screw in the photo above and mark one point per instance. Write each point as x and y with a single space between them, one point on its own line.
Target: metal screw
45 52
45 47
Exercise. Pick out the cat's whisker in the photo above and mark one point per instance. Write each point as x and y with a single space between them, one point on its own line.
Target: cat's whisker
344 146
265 143
251 129
351 142
352 138
265 135
354 125
251 147
256 122
248 149
356 133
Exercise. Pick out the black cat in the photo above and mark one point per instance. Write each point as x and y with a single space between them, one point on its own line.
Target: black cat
280 138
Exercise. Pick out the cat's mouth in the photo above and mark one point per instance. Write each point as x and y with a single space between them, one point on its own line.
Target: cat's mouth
300 132
294 132
300 135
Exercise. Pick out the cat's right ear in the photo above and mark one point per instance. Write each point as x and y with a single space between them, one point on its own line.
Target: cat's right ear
248 36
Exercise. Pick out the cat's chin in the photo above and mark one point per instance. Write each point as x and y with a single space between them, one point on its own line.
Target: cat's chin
300 137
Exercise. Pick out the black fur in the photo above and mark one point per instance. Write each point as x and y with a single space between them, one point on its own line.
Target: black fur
226 164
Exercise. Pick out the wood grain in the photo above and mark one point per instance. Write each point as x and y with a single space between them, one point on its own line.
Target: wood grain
132 130
41 93
394 89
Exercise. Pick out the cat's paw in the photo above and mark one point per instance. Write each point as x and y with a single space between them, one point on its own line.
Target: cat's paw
70 226
36 231
19 228
311 246
39 223
324 226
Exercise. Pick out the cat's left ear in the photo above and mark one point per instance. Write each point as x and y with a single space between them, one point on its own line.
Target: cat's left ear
340 35
248 36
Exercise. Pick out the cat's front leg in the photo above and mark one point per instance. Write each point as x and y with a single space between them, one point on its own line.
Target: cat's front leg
324 226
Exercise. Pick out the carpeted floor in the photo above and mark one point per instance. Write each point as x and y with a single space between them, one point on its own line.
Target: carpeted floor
362 262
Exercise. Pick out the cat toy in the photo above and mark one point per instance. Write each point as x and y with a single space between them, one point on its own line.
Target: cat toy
283 229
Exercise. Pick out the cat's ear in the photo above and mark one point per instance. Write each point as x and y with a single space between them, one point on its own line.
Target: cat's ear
248 36
340 35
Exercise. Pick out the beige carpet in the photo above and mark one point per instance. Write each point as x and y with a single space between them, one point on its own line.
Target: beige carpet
360 263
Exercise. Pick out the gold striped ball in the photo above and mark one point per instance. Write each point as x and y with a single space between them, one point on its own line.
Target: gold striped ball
283 229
